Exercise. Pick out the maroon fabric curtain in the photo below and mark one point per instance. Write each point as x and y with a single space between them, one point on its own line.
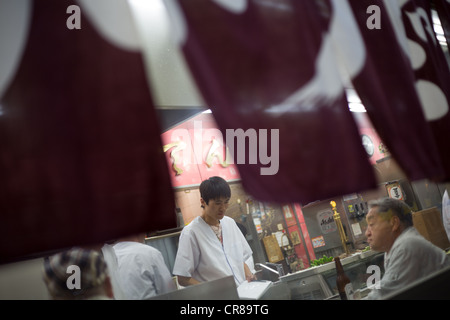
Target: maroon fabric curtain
387 88
266 65
81 161
432 74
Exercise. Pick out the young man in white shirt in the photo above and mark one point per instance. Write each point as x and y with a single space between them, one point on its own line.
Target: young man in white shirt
408 255
212 246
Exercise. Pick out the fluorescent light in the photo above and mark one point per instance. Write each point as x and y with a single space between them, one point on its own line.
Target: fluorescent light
437 26
153 5
352 96
438 29
356 107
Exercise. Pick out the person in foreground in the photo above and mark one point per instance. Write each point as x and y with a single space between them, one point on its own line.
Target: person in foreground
77 274
142 272
212 246
408 255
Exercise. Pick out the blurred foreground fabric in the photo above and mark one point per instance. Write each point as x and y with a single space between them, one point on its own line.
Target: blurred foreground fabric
81 160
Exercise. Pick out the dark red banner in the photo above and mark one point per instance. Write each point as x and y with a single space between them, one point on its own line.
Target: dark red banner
432 74
81 158
266 69
387 87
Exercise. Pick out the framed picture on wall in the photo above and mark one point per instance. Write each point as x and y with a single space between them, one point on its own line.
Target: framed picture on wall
289 216
295 238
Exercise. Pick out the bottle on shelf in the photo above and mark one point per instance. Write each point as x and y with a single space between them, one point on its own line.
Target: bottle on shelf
343 283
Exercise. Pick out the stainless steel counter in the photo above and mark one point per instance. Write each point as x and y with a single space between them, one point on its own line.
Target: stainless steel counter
319 283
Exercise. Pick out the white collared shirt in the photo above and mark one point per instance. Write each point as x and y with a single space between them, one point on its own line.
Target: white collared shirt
202 256
142 271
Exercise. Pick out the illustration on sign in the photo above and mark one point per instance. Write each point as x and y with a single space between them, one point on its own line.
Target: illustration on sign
326 221
395 191
318 242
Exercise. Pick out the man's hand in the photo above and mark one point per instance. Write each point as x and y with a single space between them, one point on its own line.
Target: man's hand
187 281
249 276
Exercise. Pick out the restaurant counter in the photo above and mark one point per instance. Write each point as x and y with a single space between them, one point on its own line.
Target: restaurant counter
315 283
319 283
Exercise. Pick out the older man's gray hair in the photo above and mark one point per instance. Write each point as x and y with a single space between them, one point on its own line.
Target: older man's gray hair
388 207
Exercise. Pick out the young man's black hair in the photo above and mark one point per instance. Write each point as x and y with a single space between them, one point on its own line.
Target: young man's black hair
214 188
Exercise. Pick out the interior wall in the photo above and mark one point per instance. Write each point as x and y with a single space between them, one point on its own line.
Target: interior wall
23 281
332 241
